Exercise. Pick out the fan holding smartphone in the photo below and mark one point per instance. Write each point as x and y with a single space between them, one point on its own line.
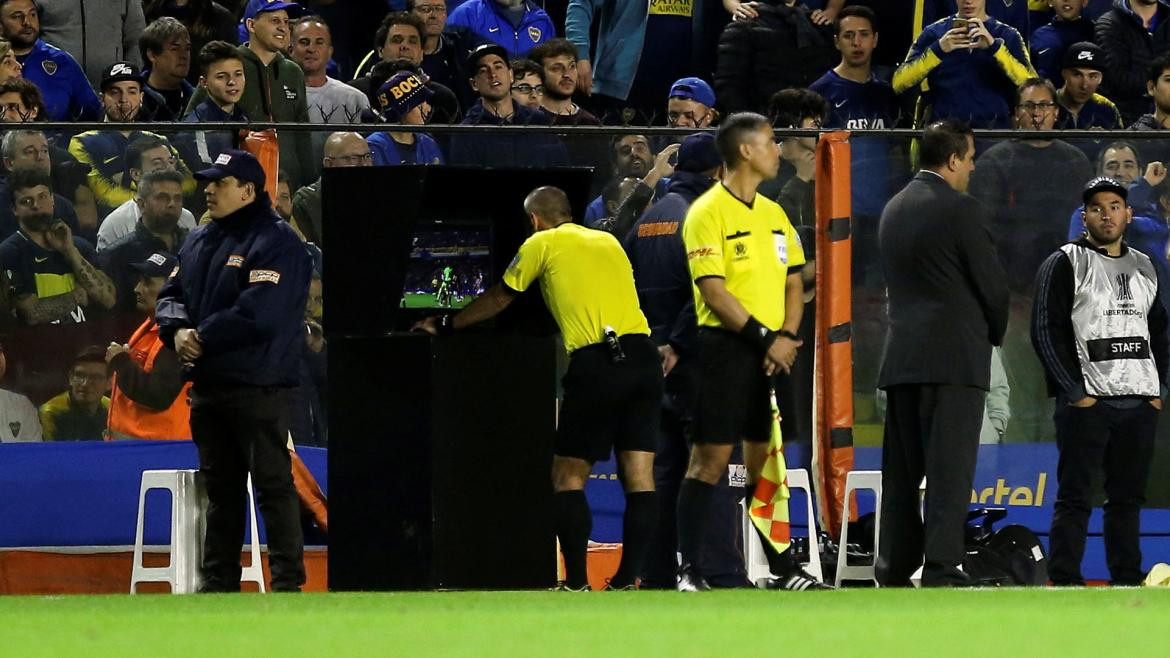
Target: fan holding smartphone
971 64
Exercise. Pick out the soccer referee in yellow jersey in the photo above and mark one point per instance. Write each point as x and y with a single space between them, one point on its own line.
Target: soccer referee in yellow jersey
613 387
745 259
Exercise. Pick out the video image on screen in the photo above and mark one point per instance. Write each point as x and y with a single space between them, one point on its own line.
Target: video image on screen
450 265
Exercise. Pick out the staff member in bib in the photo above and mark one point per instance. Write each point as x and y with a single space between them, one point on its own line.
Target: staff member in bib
148 398
613 387
234 309
1100 331
745 259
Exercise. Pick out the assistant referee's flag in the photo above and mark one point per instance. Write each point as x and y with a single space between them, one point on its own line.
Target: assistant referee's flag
769 505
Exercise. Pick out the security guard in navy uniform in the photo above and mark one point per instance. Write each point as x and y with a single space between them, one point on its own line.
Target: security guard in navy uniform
1099 329
659 259
233 310
613 387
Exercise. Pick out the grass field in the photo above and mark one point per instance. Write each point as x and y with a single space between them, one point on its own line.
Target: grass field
988 623
425 300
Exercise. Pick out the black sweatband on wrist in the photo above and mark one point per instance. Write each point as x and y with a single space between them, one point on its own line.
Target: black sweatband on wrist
787 334
758 334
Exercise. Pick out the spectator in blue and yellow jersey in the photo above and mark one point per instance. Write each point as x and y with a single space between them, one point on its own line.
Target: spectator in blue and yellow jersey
1049 42
971 63
105 150
1080 104
53 277
80 413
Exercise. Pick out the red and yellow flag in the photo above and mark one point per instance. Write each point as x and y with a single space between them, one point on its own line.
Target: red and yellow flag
769 506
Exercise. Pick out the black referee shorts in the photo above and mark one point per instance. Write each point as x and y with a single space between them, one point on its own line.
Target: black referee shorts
733 390
611 406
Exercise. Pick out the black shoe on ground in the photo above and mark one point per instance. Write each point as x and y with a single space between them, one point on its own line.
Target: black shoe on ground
798 581
690 580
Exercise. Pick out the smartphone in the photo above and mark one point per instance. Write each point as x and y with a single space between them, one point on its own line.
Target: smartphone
960 24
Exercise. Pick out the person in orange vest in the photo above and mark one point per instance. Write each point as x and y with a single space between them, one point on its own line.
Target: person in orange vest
149 398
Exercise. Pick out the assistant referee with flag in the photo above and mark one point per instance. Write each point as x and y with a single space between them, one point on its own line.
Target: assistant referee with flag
613 387
745 258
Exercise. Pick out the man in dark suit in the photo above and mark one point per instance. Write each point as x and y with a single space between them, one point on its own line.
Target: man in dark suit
948 305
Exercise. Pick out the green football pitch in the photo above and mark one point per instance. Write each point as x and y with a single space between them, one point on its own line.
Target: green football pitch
1095 622
425 300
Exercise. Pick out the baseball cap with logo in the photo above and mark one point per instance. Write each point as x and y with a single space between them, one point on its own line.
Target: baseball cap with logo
241 164
121 72
1084 55
402 93
160 263
695 89
1103 184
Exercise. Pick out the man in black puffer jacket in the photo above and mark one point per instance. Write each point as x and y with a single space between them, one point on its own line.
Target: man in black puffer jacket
781 48
1129 48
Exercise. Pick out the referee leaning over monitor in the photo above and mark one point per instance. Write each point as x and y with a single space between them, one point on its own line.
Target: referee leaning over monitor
613 387
745 259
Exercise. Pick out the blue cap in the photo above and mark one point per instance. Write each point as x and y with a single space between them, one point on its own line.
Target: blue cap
294 10
695 89
241 164
698 153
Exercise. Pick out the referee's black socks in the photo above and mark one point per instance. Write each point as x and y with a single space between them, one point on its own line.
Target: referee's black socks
694 503
638 525
780 564
573 525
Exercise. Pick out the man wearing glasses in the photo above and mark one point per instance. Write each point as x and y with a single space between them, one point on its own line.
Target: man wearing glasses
444 49
527 83
79 413
341 150
1031 184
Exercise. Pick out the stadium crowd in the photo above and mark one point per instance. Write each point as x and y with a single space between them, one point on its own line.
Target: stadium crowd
91 220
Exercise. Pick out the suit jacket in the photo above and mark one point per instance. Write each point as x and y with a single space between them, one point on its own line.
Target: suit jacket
948 294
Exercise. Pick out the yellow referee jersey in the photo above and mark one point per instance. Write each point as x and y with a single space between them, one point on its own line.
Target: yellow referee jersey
752 247
586 280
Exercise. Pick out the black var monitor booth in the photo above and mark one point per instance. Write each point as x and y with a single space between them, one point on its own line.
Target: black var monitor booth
440 449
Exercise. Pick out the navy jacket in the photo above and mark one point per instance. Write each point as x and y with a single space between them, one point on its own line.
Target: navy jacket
242 283
507 150
659 259
1049 43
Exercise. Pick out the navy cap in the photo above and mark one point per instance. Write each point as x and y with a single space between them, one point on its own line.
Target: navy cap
1084 55
160 263
1103 184
120 72
481 51
403 92
695 89
294 10
241 164
698 154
